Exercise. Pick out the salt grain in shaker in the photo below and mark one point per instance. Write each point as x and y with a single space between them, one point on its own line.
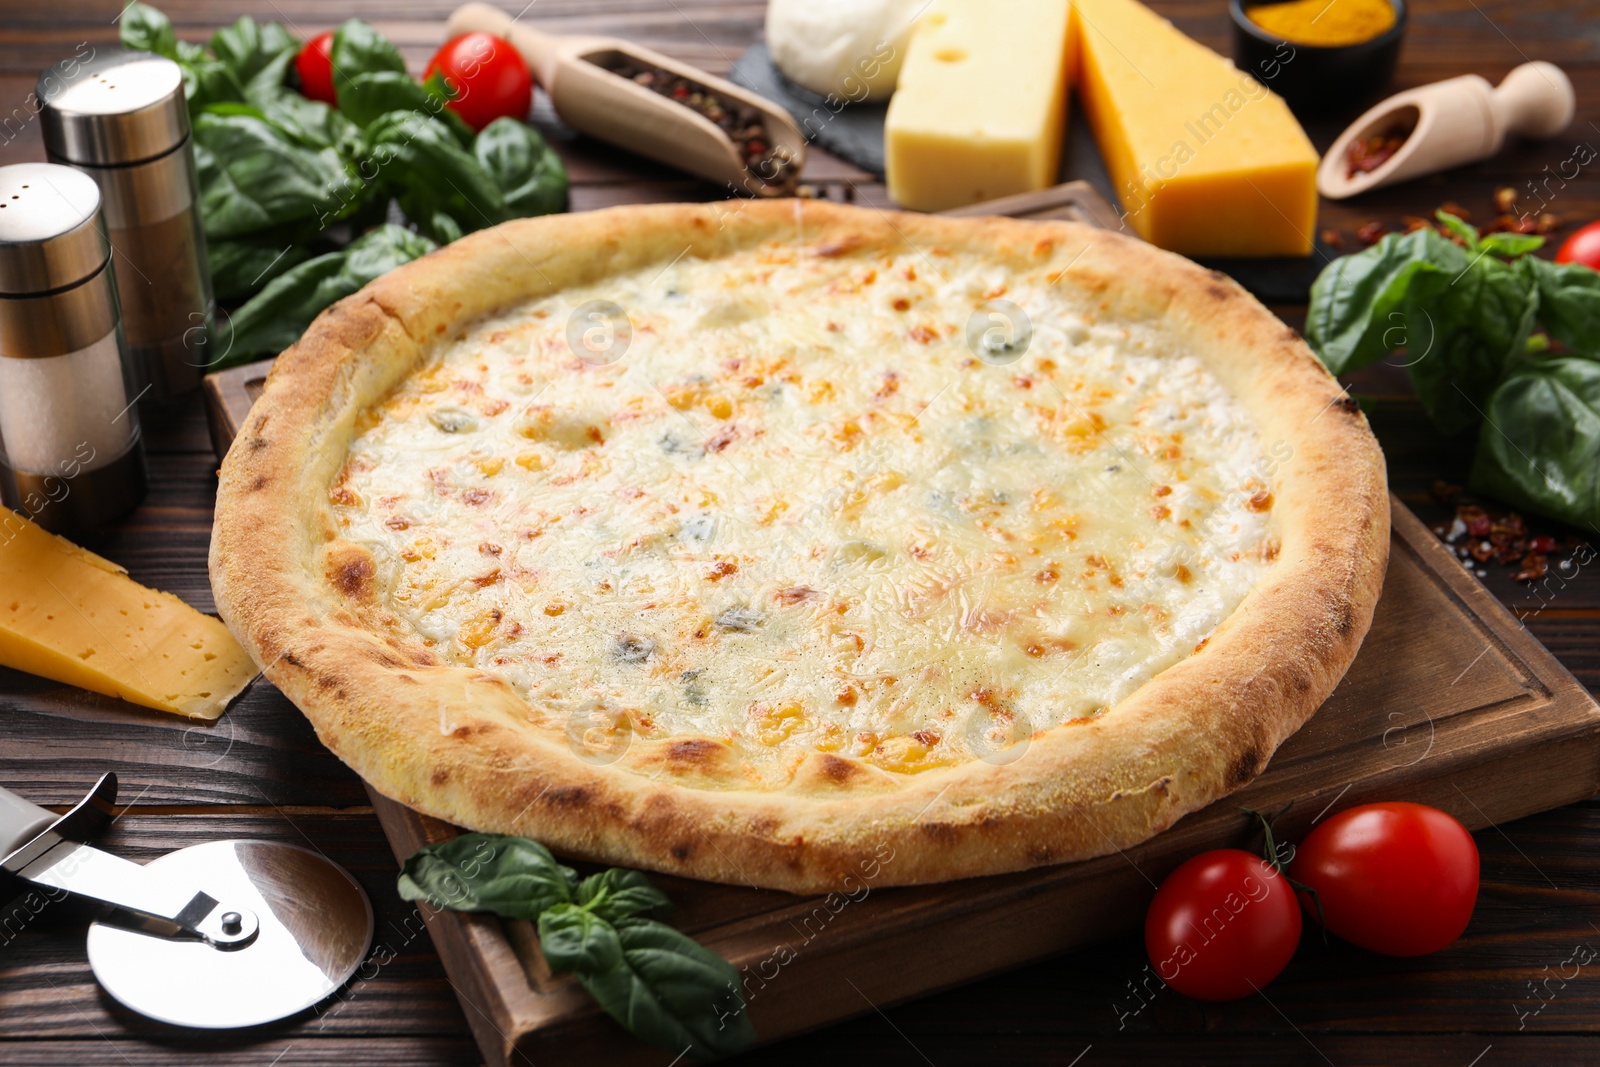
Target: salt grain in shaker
122 119
70 453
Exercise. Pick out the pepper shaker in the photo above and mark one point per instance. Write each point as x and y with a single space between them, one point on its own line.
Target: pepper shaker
71 457
122 119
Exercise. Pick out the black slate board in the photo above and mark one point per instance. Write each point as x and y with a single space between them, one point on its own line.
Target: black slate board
855 132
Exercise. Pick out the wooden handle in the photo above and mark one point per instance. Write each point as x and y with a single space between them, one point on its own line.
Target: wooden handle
1534 100
539 50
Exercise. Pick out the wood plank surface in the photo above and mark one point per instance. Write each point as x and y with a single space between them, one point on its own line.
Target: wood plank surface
1496 997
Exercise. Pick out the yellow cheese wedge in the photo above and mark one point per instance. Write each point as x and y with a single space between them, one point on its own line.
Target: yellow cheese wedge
1205 160
68 615
981 103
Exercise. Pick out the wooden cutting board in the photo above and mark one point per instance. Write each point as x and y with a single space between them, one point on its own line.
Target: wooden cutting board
1451 702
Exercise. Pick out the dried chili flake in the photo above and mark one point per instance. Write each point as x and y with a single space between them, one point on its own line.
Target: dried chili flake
1533 567
1371 233
1367 154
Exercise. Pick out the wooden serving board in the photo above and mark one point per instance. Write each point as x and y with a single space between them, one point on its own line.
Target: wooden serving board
1451 702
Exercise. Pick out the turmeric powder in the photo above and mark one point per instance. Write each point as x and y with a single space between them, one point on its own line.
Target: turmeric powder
1325 23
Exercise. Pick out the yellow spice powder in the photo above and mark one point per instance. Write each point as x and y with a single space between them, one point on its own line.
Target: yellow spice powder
1325 23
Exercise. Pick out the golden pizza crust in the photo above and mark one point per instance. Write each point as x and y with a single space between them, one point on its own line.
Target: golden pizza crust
457 743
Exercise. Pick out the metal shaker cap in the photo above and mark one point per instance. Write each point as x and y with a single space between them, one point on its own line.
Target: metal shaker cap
50 235
116 107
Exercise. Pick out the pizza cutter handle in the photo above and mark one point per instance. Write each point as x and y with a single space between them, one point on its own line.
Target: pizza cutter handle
20 821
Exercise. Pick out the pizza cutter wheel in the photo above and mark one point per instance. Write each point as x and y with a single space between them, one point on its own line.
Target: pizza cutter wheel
214 936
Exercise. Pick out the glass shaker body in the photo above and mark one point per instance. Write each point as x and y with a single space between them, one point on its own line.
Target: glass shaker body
121 118
71 458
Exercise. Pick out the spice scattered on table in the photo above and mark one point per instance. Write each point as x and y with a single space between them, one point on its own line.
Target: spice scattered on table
743 124
1507 219
1481 535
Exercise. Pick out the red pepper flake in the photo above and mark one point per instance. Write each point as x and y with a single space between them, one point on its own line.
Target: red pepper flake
794 594
1367 154
720 570
1444 492
1371 233
924 335
1533 567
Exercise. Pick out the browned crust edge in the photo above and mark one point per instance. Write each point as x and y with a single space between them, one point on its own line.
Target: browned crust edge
453 742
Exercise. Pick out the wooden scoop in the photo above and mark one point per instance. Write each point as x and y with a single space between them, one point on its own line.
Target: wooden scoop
596 101
1456 121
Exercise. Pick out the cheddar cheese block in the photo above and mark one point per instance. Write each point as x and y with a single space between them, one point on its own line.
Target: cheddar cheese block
69 615
981 103
1205 159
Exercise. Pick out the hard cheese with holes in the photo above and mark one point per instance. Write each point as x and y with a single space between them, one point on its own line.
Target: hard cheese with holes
69 615
981 104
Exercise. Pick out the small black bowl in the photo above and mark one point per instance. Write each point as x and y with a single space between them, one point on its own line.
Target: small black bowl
1313 79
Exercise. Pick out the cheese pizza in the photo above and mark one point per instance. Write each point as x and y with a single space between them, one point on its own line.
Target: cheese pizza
745 541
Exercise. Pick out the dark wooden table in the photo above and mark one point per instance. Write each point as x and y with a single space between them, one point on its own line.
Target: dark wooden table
1510 991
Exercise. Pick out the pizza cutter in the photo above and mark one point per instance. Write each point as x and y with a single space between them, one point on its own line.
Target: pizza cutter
214 936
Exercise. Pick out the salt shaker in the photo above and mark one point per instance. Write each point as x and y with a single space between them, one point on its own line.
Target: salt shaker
70 452
121 118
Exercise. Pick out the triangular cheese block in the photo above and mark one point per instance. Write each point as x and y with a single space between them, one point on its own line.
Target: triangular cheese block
1205 159
69 615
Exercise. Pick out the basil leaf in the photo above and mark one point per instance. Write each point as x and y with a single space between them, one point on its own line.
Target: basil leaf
1569 302
1467 233
1540 446
366 97
360 49
573 939
439 185
670 991
509 876
247 46
206 82
616 893
1468 327
1511 245
240 267
1356 315
145 29
529 173
252 175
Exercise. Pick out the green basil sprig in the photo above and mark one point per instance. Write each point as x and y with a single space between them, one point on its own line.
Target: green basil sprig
280 313
283 178
1467 315
660 984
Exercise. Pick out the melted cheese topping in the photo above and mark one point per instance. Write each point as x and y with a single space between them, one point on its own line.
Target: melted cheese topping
798 513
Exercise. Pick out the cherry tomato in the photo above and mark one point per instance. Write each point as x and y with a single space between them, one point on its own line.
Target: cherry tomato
489 77
1396 878
1582 247
314 64
1222 926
